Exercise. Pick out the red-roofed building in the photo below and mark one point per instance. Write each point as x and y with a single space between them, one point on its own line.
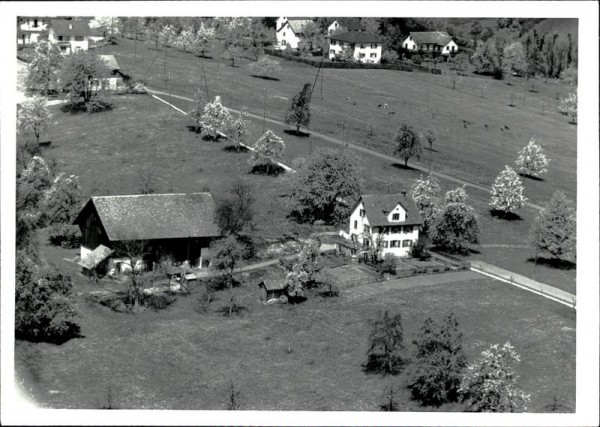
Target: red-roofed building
363 47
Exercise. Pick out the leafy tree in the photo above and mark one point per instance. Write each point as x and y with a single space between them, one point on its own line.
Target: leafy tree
228 251
457 224
303 271
430 137
233 396
197 111
81 74
461 62
439 361
42 74
385 344
532 161
33 115
265 67
375 244
408 143
185 39
135 252
507 192
203 37
514 59
475 31
555 228
390 403
234 52
268 151
298 112
43 308
568 106
389 56
236 213
62 201
313 40
152 34
569 75
486 57
167 35
324 186
215 119
490 384
239 130
535 61
110 25
425 193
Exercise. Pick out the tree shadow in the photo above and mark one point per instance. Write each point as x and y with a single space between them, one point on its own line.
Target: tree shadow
193 128
204 56
294 132
265 77
433 150
73 331
235 149
533 178
272 170
556 263
402 167
377 364
507 216
235 310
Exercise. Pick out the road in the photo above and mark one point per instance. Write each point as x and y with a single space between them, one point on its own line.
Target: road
357 148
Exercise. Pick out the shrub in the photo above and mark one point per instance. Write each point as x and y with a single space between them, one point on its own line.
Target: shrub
417 59
385 344
418 250
389 264
498 73
159 301
65 236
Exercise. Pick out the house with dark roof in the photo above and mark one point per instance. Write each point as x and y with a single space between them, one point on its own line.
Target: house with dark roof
289 31
389 221
362 46
71 35
176 226
343 25
431 42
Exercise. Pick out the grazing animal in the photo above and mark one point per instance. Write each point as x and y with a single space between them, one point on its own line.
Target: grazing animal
506 127
354 103
347 98
391 112
385 106
379 106
486 126
501 129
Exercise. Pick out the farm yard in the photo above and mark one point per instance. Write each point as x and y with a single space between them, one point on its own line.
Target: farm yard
286 305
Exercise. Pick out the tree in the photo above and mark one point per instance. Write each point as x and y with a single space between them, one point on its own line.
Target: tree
461 62
375 244
457 224
81 74
313 39
215 119
265 67
62 202
228 251
236 213
166 35
204 35
535 61
268 151
513 59
298 112
429 136
390 403
555 228
43 308
198 109
569 75
507 192
568 106
385 344
239 130
388 56
42 73
110 25
33 115
185 39
439 361
135 252
152 34
324 186
532 161
490 384
408 143
486 57
425 193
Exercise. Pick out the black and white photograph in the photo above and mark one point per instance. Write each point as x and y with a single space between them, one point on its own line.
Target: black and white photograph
298 213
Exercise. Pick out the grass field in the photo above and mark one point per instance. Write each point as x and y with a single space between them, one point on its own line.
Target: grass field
303 357
424 100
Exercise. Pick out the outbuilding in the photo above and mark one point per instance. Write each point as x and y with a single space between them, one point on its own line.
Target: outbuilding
270 289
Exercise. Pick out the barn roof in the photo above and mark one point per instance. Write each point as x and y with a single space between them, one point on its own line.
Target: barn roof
441 38
272 284
95 257
111 62
71 27
155 216
378 206
356 37
351 24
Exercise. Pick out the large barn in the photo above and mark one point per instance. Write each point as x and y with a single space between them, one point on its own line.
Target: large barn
175 226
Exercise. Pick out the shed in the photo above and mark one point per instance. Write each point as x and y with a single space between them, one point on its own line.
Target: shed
96 259
270 289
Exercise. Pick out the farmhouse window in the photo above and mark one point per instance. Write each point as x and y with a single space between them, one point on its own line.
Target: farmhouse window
361 55
395 244
333 43
452 48
367 228
447 47
354 237
332 52
78 38
373 55
283 43
362 213
35 23
396 217
362 46
284 34
373 46
405 45
385 244
60 38
406 243
355 224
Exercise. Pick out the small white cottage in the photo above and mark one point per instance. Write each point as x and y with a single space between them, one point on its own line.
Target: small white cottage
289 31
434 42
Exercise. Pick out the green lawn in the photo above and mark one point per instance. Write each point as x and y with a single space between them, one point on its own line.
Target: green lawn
475 153
303 357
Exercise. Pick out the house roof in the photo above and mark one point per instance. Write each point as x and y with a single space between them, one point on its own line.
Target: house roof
356 37
378 206
440 38
272 284
95 257
71 27
155 216
349 24
297 24
110 61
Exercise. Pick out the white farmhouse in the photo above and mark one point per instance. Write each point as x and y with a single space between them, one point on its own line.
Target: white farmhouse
365 47
390 220
434 42
30 29
342 26
289 31
71 35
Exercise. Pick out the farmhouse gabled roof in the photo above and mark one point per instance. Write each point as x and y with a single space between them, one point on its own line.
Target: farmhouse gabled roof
378 206
356 37
349 24
71 27
154 216
111 62
441 38
297 24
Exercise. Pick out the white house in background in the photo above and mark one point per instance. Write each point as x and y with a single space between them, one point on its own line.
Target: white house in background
390 219
342 26
30 28
70 35
365 47
438 42
290 31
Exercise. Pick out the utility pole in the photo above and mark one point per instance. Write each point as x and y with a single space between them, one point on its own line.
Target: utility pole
322 73
165 69
264 110
310 145
205 83
170 86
